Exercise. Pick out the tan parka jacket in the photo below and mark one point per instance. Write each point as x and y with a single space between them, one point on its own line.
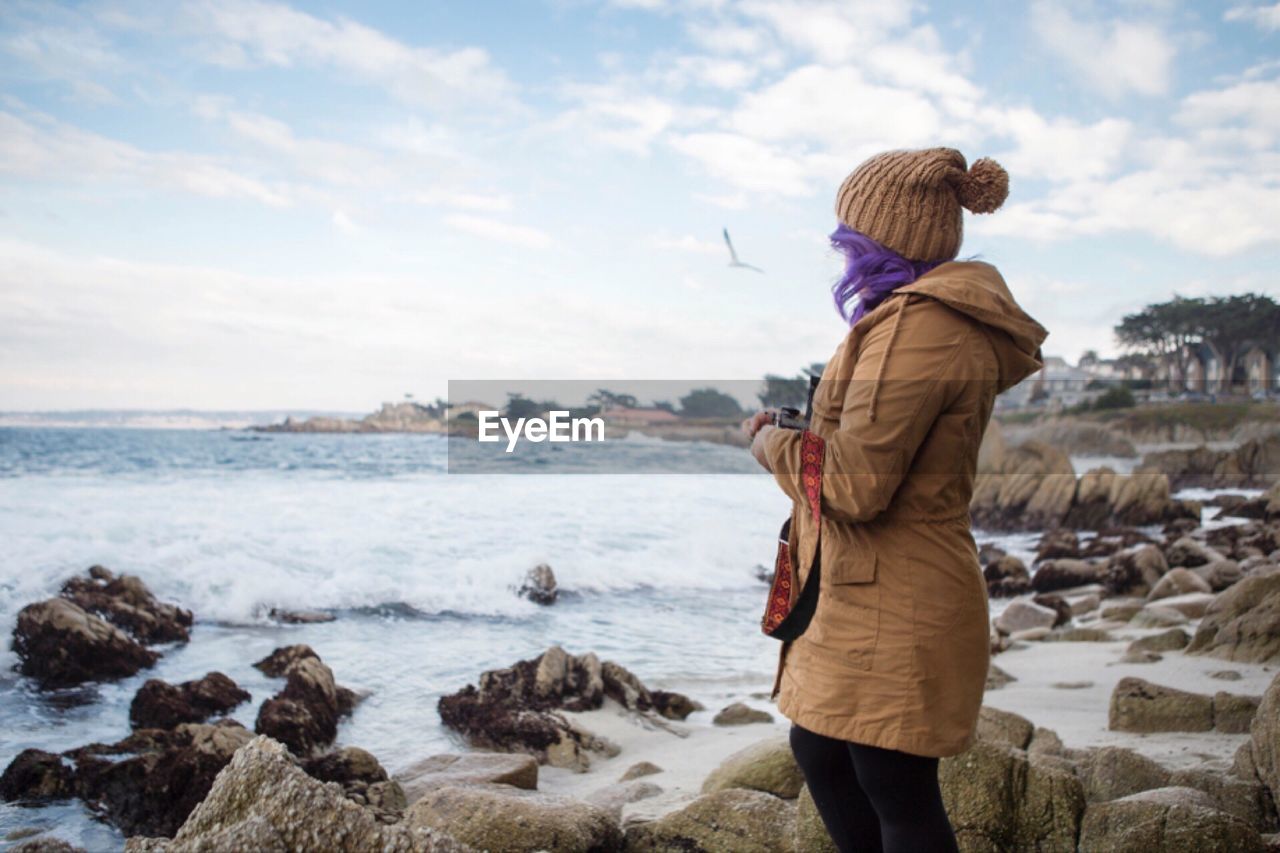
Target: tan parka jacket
896 654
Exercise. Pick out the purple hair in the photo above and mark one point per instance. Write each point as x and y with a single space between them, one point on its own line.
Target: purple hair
871 272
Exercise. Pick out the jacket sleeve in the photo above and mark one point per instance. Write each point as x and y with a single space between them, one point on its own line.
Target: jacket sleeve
902 381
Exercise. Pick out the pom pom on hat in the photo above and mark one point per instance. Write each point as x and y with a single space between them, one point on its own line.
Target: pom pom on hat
984 187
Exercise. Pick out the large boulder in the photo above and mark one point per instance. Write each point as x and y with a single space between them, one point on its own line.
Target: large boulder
1166 819
1252 463
160 705
264 802
768 766
125 601
1028 487
1143 497
1140 706
1002 798
1024 615
517 770
148 783
503 819
36 776
1134 571
1243 623
59 644
1178 582
1112 772
1263 747
811 834
518 709
539 585
304 715
733 819
1065 573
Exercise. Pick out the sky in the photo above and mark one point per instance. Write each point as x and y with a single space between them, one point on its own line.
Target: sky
250 204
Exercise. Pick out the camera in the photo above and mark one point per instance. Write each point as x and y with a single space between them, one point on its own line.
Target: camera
789 418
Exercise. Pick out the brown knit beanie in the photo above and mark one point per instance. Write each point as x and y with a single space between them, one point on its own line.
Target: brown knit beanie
910 201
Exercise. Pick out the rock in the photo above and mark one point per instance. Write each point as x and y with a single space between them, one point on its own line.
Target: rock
1079 635
1031 487
125 602
811 834
1178 582
540 585
673 706
1143 497
734 819
1122 611
1001 798
1220 574
348 766
497 818
1263 747
160 705
61 645
1226 674
1131 572
1004 727
1189 553
516 709
1082 604
989 552
276 664
767 766
1169 819
614 798
300 617
1232 713
627 690
46 844
1246 799
1140 656
1046 742
1242 623
1071 685
36 776
640 768
1060 542
1112 772
1140 706
1030 635
1057 604
1006 576
1166 641
258 803
148 783
1022 614
1064 573
517 770
1155 616
304 716
997 677
1192 604
739 714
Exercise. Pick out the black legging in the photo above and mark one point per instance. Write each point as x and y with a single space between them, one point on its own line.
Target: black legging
874 799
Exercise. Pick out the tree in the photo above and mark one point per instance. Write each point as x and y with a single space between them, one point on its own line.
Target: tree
782 391
519 406
606 399
709 403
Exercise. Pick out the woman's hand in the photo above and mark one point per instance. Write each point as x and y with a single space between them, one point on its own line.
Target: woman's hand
757 446
752 425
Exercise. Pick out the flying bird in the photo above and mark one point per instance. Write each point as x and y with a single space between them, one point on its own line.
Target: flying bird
733 255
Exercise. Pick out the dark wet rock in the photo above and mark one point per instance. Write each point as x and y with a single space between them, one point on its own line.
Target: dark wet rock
1064 573
148 783
59 644
160 705
503 819
768 765
540 585
1243 622
989 552
126 602
265 802
362 778
1134 571
300 617
36 776
733 819
1113 540
626 689
517 770
740 714
518 708
673 706
1055 544
1056 603
1172 818
1006 576
276 664
304 715
45 844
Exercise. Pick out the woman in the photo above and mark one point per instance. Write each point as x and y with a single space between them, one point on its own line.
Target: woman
889 675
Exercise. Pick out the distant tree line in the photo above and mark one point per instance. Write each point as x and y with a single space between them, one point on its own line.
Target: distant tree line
1167 333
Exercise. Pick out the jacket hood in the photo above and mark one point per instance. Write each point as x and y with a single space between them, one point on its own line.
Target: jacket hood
977 289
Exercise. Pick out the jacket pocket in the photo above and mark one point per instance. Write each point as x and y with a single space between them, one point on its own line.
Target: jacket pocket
846 626
857 566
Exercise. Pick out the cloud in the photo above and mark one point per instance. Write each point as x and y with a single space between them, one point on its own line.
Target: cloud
688 243
1114 57
617 114
1061 149
525 236
1264 17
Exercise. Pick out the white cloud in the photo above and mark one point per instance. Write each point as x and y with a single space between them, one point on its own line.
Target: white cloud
1265 17
1061 149
1115 57
689 243
1253 104
525 236
617 115
831 31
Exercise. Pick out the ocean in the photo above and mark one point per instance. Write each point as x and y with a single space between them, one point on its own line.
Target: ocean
656 571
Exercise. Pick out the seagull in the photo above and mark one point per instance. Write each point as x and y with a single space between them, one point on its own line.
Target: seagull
733 256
